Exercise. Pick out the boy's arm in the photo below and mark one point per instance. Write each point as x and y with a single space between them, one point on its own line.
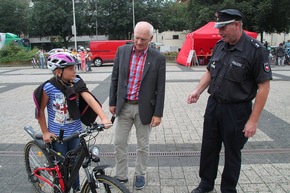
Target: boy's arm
95 106
42 119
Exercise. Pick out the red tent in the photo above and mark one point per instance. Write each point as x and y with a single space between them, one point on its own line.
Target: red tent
205 38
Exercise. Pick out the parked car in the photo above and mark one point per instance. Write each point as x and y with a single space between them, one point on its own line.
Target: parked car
55 50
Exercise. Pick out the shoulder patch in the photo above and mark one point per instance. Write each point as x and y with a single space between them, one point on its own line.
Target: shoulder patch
266 67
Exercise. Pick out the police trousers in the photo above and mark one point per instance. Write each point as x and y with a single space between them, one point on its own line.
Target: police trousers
128 117
223 124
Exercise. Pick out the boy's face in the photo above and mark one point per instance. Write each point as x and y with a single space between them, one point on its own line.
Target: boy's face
68 73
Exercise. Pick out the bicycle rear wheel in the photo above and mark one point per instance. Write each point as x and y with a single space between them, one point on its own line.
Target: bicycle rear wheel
106 184
33 62
34 158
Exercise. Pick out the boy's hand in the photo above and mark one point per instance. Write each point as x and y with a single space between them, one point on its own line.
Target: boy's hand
47 137
107 123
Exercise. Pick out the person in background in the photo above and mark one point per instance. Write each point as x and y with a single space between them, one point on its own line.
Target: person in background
208 54
82 54
136 98
238 73
75 54
266 44
280 53
79 59
41 55
89 59
201 57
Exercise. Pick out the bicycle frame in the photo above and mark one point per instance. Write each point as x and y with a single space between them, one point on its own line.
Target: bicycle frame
62 163
50 169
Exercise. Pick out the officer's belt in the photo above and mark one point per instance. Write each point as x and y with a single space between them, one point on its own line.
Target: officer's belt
222 101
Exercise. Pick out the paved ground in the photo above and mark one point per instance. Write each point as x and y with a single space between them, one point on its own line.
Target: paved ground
175 144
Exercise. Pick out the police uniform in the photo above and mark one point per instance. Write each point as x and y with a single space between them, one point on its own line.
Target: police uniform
235 70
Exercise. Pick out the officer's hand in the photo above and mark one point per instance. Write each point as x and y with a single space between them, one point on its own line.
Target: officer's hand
250 129
193 97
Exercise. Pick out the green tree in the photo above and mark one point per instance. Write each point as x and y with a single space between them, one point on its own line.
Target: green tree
174 17
55 18
114 18
12 14
260 15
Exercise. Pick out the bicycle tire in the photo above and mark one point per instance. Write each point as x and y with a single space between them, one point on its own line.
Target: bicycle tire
33 63
35 157
107 184
272 62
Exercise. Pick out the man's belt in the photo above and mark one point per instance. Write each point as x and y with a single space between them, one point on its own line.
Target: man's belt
132 102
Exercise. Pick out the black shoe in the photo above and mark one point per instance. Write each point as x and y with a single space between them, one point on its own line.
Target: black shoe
121 181
199 190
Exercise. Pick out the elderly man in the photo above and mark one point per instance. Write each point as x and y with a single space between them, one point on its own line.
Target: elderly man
136 98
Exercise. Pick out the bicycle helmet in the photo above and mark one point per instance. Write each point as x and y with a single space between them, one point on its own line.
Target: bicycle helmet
60 60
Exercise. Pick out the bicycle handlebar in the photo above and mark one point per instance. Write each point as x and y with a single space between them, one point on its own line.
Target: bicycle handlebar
87 130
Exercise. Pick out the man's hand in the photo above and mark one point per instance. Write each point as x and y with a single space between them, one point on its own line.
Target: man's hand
112 109
155 121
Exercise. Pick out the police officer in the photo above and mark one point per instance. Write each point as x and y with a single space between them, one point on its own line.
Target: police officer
237 73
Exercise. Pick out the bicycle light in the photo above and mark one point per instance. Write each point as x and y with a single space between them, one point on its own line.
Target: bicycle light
95 152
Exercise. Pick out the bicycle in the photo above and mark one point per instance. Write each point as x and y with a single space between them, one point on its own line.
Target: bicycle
49 171
272 59
34 63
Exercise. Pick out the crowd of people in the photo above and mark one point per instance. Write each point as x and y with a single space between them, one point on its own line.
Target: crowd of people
237 73
83 56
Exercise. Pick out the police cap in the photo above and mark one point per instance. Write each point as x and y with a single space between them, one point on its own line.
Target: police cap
227 16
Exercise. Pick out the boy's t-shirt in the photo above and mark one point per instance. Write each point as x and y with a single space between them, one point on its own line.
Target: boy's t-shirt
58 114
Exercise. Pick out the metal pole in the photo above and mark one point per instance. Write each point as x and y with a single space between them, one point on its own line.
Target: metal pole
133 14
74 21
96 30
96 21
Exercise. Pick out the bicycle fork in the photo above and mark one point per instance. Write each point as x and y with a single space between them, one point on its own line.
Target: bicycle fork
93 183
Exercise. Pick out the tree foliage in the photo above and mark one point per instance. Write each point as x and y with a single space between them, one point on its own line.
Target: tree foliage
12 14
115 17
260 15
55 18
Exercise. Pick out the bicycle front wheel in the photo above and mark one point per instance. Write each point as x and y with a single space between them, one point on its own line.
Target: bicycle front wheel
106 184
36 158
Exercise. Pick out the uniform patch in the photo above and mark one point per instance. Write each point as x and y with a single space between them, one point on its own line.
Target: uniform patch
266 67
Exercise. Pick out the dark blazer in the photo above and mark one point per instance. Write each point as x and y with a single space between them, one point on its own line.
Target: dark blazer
152 88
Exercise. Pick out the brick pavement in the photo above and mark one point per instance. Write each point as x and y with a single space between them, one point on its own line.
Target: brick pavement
175 144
